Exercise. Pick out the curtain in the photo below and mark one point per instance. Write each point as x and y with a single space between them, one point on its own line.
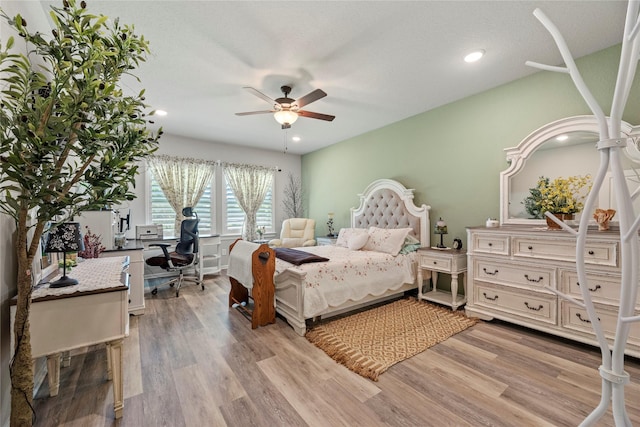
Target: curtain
182 180
250 185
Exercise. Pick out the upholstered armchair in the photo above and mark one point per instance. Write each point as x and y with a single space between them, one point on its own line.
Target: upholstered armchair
296 232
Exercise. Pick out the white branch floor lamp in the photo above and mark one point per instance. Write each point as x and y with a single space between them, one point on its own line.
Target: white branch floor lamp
612 142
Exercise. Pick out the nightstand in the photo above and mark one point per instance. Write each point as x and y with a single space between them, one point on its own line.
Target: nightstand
437 261
326 241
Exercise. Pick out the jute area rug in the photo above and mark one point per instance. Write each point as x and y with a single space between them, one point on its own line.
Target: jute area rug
372 341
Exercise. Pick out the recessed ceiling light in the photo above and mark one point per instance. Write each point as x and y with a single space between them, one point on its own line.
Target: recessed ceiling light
474 56
296 139
161 113
562 138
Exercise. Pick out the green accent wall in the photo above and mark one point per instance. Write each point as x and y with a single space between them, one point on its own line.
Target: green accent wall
453 155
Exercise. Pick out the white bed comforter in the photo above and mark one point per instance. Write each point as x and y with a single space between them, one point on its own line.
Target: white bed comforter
349 275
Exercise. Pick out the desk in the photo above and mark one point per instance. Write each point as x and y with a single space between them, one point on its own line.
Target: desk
449 261
92 312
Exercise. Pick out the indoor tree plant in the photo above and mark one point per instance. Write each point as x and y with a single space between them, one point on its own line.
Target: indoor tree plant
69 140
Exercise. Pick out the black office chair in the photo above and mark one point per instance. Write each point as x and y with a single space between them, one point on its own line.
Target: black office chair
185 254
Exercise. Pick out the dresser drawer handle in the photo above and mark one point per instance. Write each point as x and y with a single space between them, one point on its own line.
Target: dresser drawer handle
490 273
579 316
530 247
488 297
435 262
591 289
490 244
591 252
526 276
538 308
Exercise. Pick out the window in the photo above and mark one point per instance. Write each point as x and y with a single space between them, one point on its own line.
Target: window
162 212
235 214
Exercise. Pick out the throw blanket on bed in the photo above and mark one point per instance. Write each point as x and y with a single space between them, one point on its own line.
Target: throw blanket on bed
297 257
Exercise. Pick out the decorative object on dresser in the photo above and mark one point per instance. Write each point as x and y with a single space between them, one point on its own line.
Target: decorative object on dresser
602 217
65 238
453 262
441 229
563 197
399 330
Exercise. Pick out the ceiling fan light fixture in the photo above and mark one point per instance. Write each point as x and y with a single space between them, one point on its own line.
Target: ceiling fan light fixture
285 117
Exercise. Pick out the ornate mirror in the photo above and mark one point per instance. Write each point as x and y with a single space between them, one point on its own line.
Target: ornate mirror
542 153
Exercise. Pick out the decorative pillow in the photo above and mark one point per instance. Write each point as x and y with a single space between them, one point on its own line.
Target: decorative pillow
358 241
411 244
347 233
387 240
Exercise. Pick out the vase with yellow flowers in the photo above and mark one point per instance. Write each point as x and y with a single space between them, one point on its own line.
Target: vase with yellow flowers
563 197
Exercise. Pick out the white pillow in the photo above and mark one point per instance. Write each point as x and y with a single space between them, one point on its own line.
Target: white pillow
347 233
387 240
358 241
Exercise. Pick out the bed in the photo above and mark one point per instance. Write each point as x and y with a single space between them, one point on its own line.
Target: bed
324 289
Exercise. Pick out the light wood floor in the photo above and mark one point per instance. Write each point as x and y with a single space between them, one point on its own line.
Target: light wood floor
190 361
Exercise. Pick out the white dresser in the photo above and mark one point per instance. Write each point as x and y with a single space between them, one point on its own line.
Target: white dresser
512 267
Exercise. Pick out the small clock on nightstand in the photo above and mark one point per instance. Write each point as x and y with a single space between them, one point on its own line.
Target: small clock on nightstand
326 240
457 244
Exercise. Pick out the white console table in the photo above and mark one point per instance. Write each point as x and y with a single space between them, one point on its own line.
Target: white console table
92 312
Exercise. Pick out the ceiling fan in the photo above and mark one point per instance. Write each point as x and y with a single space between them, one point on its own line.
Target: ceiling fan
286 110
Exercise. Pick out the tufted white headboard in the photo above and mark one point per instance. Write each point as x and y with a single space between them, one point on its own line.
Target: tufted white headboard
386 203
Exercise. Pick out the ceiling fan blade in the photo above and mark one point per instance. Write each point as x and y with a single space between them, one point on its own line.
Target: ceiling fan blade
310 97
260 95
248 113
313 115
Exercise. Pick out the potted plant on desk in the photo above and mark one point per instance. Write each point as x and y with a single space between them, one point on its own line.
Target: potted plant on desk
69 141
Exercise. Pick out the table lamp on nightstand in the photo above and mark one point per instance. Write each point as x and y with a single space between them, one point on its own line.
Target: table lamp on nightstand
65 238
441 229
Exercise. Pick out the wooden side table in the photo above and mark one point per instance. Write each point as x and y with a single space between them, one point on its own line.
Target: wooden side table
449 261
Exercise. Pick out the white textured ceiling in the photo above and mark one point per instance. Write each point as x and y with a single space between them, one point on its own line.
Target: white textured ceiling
378 61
